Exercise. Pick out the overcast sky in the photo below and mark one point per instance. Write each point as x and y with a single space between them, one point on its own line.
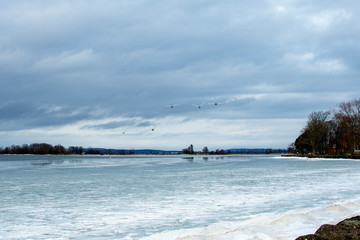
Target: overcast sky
104 73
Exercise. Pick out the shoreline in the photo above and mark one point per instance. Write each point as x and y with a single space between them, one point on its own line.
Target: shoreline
322 156
292 224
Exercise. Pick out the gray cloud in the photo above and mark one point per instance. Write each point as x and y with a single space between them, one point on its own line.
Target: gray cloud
89 60
123 125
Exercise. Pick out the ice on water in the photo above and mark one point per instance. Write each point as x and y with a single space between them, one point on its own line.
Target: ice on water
173 197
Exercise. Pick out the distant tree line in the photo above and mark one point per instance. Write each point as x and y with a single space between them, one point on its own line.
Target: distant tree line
45 148
205 150
334 131
190 150
40 148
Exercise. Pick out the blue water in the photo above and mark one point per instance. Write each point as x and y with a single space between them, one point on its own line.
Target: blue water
133 197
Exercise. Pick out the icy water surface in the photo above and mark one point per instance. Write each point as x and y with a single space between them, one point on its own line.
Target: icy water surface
170 197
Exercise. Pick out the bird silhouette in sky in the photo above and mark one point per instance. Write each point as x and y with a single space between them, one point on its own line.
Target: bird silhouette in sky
215 103
198 106
172 106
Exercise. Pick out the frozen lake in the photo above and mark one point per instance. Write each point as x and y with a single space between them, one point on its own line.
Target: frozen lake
173 197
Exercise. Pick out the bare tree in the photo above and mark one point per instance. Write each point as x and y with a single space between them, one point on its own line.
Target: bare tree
348 120
317 128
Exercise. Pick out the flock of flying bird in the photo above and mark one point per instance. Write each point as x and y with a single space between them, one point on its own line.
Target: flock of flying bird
197 106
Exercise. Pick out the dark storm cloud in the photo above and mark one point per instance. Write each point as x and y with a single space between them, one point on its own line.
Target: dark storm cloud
88 60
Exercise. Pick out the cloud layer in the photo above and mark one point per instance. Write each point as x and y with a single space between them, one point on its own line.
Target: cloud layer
74 71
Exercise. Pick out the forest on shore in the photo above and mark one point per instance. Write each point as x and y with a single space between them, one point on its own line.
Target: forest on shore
331 132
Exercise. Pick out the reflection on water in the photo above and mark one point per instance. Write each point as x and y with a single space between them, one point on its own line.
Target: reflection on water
190 159
43 163
216 157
